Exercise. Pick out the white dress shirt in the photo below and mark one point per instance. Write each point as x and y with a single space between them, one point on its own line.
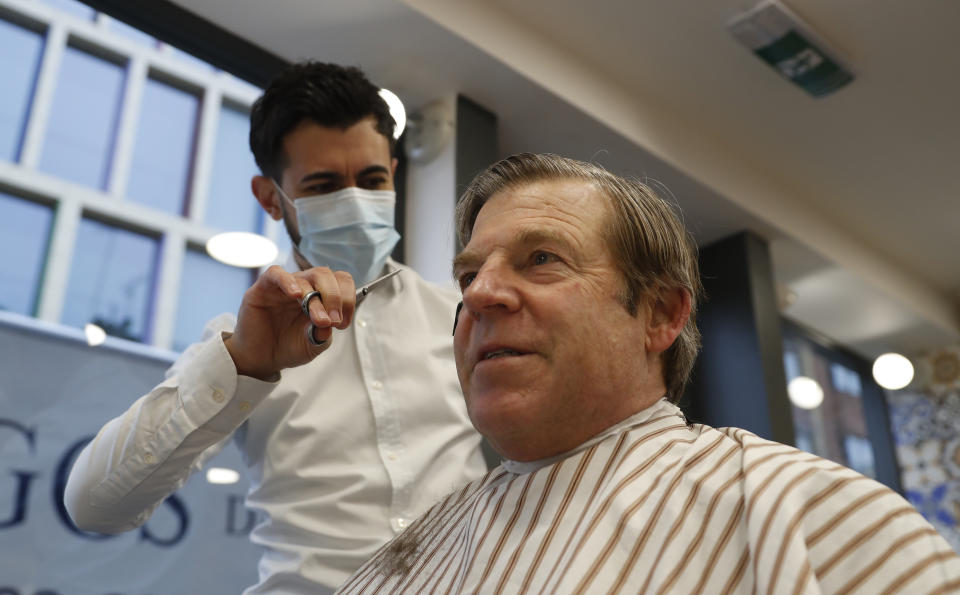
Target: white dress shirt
342 452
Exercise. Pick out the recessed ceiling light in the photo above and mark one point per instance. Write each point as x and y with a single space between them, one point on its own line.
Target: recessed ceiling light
242 249
222 475
396 110
892 371
805 393
95 335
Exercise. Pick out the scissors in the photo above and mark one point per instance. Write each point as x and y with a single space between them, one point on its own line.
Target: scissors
361 295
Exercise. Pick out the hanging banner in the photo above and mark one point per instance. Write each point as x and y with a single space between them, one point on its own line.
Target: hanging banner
55 394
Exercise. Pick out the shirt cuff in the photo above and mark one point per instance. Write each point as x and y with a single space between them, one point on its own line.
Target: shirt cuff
213 395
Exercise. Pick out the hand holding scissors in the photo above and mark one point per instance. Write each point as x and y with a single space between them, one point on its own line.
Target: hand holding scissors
272 335
360 296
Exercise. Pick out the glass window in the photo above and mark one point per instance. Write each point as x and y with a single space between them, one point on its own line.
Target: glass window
83 119
111 280
160 168
836 429
230 204
845 380
791 365
74 7
20 52
24 231
207 288
859 453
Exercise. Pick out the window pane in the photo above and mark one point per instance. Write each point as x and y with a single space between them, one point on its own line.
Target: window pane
207 288
230 204
845 380
837 428
859 454
83 119
24 230
20 51
160 169
111 280
74 7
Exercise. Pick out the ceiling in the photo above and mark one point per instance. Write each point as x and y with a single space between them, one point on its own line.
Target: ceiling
855 191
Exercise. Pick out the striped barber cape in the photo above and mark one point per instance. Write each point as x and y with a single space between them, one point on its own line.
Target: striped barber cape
654 505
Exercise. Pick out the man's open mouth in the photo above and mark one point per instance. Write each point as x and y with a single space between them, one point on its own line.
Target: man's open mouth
501 353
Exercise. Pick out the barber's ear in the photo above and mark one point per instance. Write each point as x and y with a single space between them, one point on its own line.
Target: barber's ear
267 196
668 315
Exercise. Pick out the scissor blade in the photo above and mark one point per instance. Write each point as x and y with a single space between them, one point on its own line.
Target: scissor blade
363 291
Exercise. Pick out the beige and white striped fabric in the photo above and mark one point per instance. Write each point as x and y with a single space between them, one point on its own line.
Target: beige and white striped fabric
657 506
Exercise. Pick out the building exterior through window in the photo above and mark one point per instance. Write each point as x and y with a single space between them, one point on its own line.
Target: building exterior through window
119 157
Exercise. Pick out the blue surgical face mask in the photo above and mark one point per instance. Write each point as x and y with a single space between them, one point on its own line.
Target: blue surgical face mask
347 230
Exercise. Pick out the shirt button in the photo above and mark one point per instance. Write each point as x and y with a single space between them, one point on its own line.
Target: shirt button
244 405
218 395
391 455
362 322
148 458
376 384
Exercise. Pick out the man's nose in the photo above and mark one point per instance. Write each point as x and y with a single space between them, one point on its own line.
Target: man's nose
493 288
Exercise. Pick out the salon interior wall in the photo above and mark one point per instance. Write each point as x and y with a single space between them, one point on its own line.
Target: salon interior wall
429 239
925 421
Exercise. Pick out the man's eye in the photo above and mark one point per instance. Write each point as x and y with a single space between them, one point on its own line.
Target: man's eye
466 279
543 258
373 183
321 189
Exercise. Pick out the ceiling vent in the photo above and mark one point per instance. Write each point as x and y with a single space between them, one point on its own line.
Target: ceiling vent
783 41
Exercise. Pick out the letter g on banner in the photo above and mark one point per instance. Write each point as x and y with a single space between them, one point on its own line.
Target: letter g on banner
24 479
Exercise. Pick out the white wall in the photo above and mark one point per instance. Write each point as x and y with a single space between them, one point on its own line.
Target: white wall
431 194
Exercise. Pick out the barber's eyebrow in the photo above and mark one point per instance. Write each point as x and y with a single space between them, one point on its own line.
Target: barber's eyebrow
326 175
471 259
320 176
373 169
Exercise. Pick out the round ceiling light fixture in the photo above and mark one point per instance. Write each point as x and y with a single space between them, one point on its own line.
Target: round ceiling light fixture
222 476
396 110
95 334
805 393
242 249
892 371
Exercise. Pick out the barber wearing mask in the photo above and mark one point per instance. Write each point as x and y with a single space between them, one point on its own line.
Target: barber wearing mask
350 418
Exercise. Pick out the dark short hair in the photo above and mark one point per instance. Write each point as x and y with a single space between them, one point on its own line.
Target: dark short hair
651 247
331 95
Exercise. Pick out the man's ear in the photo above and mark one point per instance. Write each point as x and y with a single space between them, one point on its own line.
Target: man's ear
393 167
267 196
668 316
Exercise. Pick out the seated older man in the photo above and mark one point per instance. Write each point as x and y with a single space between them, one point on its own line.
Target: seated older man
576 337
